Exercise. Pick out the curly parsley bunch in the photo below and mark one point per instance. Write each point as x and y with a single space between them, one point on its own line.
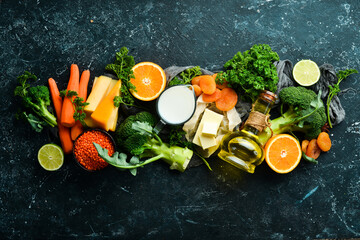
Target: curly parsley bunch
251 72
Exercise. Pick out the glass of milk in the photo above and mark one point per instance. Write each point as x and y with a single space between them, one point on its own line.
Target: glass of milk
175 105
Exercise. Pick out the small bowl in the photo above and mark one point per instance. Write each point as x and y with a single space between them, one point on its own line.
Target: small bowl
93 129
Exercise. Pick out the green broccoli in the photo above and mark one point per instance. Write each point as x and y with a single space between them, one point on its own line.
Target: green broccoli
146 117
36 99
135 135
125 130
305 113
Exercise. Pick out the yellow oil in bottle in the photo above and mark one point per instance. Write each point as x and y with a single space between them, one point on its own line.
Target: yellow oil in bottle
241 148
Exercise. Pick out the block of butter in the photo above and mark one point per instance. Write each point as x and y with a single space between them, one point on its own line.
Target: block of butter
207 130
207 141
210 128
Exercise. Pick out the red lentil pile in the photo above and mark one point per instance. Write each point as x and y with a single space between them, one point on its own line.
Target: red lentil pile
85 151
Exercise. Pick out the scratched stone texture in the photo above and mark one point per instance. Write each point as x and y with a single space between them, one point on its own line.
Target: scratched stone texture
313 202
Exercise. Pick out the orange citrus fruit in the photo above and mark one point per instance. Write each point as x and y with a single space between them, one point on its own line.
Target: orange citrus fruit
149 80
283 153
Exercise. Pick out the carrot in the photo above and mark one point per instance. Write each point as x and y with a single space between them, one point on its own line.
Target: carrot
212 97
304 145
197 90
83 86
313 149
227 100
64 132
78 128
324 141
55 97
218 85
207 84
67 111
196 80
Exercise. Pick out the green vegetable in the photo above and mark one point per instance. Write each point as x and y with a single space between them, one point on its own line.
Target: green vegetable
36 123
122 68
135 135
177 137
186 76
251 72
125 130
305 113
335 89
146 117
36 99
78 105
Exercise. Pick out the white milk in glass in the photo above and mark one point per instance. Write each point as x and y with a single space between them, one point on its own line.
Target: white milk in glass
176 104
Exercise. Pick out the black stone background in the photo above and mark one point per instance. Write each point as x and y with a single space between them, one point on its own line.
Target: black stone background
45 37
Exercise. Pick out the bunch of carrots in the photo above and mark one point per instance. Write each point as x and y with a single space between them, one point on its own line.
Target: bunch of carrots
69 129
225 98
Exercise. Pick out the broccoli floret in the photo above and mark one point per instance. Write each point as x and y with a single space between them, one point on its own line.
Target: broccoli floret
305 113
135 144
36 99
136 136
146 117
125 130
298 97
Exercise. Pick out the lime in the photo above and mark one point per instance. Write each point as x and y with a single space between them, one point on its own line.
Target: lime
306 73
51 157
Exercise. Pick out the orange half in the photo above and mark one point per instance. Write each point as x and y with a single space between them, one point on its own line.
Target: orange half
282 153
149 80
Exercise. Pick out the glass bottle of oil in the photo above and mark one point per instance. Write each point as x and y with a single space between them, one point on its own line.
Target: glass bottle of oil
241 148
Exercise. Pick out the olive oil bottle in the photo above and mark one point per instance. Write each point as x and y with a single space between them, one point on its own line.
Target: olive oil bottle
241 148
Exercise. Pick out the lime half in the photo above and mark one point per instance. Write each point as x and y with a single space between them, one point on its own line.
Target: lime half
306 73
51 157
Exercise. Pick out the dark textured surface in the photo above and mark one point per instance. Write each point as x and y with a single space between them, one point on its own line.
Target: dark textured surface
45 37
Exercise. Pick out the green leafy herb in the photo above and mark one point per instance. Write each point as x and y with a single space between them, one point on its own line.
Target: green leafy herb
122 69
186 76
251 72
78 105
177 137
335 89
125 98
35 99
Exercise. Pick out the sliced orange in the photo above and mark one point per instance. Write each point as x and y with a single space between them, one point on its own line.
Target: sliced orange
282 153
149 80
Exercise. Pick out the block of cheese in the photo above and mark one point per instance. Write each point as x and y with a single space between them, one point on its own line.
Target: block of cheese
111 86
208 117
114 119
105 113
97 93
92 124
89 121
